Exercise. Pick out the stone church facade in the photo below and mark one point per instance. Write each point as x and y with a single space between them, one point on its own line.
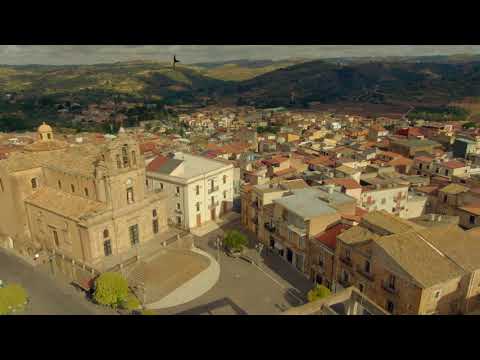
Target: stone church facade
85 201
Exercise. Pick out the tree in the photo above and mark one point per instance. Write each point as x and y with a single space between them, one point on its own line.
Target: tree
235 240
319 292
470 125
12 298
111 289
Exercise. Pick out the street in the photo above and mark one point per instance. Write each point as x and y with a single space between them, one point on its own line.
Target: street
268 287
47 296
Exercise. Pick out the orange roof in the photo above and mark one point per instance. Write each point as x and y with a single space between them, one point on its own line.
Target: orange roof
275 160
321 160
424 159
453 164
285 172
345 182
157 163
473 208
400 161
329 236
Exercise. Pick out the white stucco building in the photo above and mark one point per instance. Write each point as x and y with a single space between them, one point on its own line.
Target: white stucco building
199 189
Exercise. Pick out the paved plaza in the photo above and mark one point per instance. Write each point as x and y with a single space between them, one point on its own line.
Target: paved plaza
269 286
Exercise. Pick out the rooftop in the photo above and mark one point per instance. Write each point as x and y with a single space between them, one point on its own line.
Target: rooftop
65 204
306 203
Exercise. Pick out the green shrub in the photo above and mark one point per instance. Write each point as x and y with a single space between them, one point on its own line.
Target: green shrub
111 289
12 297
131 303
235 240
319 292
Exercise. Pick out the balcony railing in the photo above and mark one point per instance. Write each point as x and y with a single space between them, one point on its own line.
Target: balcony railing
177 194
389 289
367 275
211 190
213 205
178 211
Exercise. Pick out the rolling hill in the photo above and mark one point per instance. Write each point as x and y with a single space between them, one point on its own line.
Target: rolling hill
374 82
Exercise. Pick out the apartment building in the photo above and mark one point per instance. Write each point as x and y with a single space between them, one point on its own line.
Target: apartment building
427 166
410 269
198 189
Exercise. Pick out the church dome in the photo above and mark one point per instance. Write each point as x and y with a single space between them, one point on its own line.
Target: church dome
44 128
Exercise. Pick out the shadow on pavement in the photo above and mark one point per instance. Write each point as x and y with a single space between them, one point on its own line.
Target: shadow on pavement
208 309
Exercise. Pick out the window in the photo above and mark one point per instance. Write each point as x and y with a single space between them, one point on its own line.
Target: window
106 234
390 306
59 184
134 236
420 166
107 247
134 158
367 267
155 226
178 206
445 198
446 172
72 187
178 189
197 206
224 179
437 294
34 183
391 282
146 182
347 253
125 156
161 186
345 276
130 198
119 162
384 201
49 136
179 220
86 192
55 238
472 219
1 185
321 260
224 194
154 213
361 287
197 189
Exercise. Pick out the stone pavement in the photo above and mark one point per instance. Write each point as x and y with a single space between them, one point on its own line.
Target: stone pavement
211 226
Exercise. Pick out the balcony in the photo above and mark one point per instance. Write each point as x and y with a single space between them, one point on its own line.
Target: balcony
213 205
347 261
366 275
270 227
389 289
177 194
178 211
212 190
345 282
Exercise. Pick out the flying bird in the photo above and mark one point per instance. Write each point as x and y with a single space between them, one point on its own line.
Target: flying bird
175 61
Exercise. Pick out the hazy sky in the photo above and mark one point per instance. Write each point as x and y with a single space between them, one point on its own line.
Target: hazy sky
91 54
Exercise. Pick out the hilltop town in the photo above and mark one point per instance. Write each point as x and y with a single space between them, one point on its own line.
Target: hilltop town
380 210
